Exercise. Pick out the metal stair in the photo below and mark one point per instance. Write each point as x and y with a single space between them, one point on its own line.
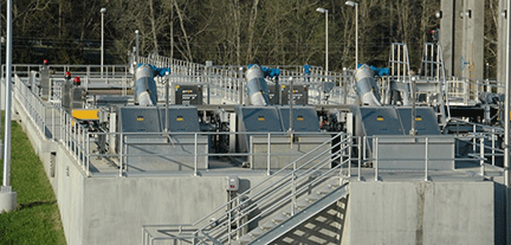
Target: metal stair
283 223
286 200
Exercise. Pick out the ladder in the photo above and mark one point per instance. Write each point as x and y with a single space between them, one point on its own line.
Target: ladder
432 66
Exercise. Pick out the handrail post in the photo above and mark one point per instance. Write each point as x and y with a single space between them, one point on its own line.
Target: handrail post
426 154
376 154
293 176
268 160
349 155
195 160
481 153
53 123
474 140
340 152
229 225
121 139
493 146
88 154
359 178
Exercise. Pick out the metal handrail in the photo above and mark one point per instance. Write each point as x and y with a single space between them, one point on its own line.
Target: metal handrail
41 114
262 193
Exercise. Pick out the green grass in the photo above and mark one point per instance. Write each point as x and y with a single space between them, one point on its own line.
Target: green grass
36 219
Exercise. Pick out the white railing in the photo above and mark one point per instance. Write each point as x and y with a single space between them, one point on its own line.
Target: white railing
284 187
48 119
465 91
41 114
229 80
281 190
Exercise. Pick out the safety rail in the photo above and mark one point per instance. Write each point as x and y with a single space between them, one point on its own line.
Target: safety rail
85 147
182 67
41 114
464 91
231 79
48 119
478 156
488 138
91 71
345 159
279 192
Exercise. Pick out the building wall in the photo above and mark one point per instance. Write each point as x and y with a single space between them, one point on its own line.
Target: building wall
461 38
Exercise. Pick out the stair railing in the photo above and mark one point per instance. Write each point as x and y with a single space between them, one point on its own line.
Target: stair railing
278 192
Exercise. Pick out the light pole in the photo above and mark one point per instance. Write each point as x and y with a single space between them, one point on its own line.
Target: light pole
325 11
136 43
102 11
7 196
355 4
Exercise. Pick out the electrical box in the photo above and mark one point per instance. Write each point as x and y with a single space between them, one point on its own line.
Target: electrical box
272 94
233 183
187 94
300 94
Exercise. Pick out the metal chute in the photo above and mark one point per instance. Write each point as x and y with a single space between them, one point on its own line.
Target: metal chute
145 86
367 88
257 86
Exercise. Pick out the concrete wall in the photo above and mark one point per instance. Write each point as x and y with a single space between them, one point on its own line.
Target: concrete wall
112 210
420 213
461 36
41 145
116 208
69 185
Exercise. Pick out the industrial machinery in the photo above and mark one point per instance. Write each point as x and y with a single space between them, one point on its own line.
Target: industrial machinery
256 86
293 131
145 86
159 135
367 88
386 131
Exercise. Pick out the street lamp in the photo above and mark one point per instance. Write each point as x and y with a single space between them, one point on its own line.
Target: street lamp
136 42
355 4
325 11
7 195
102 11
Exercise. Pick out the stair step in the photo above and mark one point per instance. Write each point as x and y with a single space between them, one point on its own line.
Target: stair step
313 197
324 190
287 213
268 225
302 204
245 239
256 232
334 183
279 218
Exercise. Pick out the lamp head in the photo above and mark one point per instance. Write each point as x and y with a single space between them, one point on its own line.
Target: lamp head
351 3
322 10
103 10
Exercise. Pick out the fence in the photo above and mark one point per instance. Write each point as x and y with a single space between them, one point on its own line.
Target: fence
56 124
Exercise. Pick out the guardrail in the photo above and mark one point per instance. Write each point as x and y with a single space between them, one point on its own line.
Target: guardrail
83 143
280 190
283 188
464 90
232 80
38 111
90 71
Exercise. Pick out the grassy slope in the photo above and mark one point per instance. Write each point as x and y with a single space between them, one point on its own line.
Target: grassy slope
36 219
